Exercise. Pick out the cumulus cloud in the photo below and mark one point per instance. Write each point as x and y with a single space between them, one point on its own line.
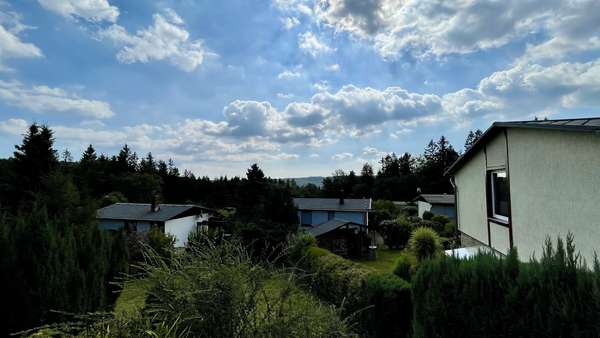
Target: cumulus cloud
11 45
47 99
90 10
290 22
312 45
13 126
373 152
342 157
288 75
166 39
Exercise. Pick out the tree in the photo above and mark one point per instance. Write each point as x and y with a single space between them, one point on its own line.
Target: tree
35 158
254 174
406 164
390 166
148 164
126 160
472 137
89 155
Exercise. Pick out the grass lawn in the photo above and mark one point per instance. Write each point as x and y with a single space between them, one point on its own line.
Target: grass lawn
385 262
133 297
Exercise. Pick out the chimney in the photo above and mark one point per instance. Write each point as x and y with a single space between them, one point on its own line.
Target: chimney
154 207
342 197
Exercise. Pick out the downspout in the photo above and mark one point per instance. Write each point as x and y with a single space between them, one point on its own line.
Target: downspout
453 183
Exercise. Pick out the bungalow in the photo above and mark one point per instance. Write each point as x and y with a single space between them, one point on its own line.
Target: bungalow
524 181
438 204
340 225
175 219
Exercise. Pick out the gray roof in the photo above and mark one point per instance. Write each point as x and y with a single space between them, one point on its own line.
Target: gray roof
588 125
331 225
436 198
142 212
333 204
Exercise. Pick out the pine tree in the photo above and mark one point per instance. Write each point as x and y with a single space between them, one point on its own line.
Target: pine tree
472 137
255 174
89 155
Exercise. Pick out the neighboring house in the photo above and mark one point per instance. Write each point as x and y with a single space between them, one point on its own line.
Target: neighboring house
316 211
438 204
340 225
175 219
524 181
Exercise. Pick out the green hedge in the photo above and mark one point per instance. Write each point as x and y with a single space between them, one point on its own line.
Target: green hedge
501 297
379 303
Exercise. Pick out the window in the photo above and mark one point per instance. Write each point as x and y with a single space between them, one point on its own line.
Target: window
306 217
498 194
330 215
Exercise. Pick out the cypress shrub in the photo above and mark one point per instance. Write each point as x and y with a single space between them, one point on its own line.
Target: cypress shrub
488 295
390 298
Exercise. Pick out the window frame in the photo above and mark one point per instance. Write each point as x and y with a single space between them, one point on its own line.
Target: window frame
492 196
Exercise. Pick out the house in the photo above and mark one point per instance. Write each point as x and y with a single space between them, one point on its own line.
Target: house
316 211
340 225
524 181
175 219
438 204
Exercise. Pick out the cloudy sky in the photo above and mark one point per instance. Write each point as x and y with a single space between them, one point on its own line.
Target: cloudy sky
300 86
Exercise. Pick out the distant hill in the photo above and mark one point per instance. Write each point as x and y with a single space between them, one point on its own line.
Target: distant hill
302 181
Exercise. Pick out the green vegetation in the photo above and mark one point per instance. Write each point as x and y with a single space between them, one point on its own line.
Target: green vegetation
132 298
501 297
425 243
385 262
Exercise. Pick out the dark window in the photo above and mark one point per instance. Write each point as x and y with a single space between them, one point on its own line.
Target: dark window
306 217
498 194
330 215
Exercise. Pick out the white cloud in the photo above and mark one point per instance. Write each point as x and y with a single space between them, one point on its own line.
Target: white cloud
166 39
11 45
373 152
333 68
342 156
290 22
90 10
289 75
312 45
46 99
13 126
438 28
321 86
285 96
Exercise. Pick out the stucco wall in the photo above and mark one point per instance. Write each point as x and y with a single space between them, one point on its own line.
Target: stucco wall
181 228
422 207
496 152
500 237
555 188
472 212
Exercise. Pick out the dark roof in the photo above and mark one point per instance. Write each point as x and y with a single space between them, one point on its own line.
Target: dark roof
576 125
436 198
331 225
333 204
142 212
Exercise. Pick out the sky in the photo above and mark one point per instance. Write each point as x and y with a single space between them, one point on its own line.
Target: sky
302 87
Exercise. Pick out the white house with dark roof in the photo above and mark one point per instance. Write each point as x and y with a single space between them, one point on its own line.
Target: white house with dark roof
524 181
438 204
175 219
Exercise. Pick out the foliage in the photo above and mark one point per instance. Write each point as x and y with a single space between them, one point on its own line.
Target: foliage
472 137
425 243
264 239
390 298
427 215
488 295
297 246
163 244
396 233
406 265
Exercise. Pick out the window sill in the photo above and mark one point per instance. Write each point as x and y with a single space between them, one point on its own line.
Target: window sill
499 221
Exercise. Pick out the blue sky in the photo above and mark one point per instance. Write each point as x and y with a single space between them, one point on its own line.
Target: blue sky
302 87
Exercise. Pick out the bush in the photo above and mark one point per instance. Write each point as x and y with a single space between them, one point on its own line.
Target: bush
440 219
489 295
406 265
396 233
297 246
163 244
425 243
391 314
427 215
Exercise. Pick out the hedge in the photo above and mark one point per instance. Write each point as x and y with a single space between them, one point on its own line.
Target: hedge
379 303
502 297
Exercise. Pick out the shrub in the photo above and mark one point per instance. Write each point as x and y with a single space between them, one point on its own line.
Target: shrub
425 243
427 215
449 230
297 246
163 244
406 265
489 295
396 233
391 314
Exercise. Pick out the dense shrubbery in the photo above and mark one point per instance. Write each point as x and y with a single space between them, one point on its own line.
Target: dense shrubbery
406 265
217 290
391 312
427 215
492 296
396 232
